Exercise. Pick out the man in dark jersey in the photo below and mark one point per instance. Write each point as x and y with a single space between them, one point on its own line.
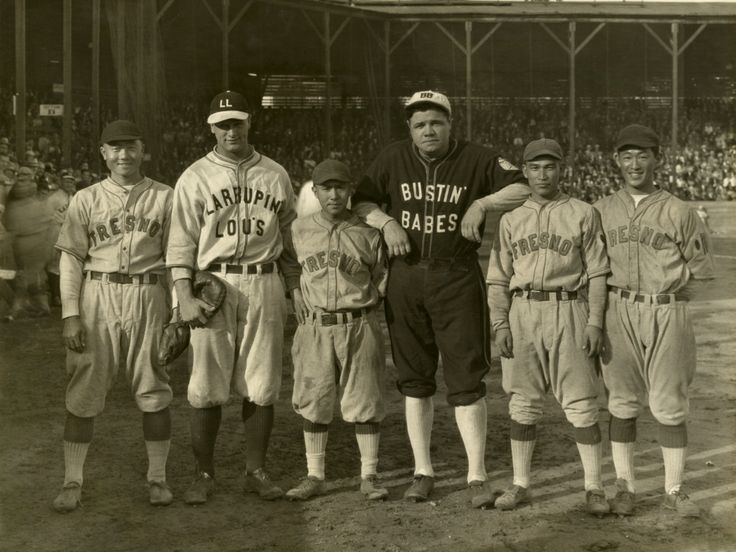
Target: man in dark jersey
435 191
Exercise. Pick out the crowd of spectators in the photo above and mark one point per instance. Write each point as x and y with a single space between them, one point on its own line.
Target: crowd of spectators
36 187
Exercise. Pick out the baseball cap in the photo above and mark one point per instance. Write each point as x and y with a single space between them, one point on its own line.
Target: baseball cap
431 98
637 135
67 173
120 130
542 147
25 171
331 169
228 105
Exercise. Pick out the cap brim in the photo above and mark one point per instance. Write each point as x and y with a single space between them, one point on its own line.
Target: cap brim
225 115
427 104
543 153
120 138
629 144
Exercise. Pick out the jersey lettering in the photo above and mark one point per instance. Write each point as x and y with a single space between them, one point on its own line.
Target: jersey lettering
103 232
545 240
634 233
232 227
333 258
439 193
439 224
235 195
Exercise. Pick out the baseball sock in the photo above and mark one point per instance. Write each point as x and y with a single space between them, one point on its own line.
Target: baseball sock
419 421
673 440
315 443
622 433
77 437
157 434
204 425
588 440
368 436
258 421
523 439
472 421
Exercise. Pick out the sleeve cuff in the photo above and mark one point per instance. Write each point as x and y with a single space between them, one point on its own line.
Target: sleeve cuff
181 273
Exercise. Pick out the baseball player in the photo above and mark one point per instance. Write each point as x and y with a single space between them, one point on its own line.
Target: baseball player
658 250
547 293
231 209
7 258
58 203
27 218
338 346
114 304
435 302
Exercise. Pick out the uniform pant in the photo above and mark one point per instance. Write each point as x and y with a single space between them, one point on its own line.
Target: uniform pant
123 322
548 337
649 349
343 361
439 308
241 345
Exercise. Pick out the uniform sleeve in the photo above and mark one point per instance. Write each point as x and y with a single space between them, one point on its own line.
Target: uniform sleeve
379 271
187 210
70 284
696 247
74 236
371 194
500 266
289 261
506 199
595 257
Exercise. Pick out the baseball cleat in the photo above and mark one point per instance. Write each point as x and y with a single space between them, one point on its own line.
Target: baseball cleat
200 489
596 503
69 499
309 487
481 495
372 489
420 488
623 503
680 501
259 482
159 493
512 497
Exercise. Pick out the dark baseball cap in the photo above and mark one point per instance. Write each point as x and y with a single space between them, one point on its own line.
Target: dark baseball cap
228 105
331 169
431 99
119 131
638 136
544 147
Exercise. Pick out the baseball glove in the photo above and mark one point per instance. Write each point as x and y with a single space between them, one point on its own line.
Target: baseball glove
209 289
174 341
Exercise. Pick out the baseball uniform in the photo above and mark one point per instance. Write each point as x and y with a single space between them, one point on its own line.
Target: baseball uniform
119 235
658 247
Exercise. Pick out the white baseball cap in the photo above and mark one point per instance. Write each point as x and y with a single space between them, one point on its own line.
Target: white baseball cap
430 97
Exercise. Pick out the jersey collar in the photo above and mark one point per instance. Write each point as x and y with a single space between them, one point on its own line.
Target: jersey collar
111 186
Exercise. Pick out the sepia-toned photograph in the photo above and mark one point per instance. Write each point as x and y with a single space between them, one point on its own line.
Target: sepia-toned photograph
367 275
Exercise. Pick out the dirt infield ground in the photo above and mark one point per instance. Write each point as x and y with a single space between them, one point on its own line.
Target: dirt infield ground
116 516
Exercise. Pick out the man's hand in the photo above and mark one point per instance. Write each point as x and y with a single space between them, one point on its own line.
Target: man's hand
396 238
300 307
75 338
472 222
194 312
593 341
505 343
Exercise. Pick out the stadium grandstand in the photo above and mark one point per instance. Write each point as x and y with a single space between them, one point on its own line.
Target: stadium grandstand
328 78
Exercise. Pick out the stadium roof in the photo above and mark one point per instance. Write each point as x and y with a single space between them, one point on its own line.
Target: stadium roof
634 11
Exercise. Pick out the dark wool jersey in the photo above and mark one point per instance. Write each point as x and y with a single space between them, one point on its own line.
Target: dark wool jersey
429 199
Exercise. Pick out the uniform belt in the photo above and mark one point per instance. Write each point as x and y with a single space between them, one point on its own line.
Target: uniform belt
536 295
334 318
656 299
441 262
266 268
119 278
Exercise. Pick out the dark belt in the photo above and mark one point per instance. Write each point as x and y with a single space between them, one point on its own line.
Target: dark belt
119 278
266 268
657 299
334 318
440 262
536 295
